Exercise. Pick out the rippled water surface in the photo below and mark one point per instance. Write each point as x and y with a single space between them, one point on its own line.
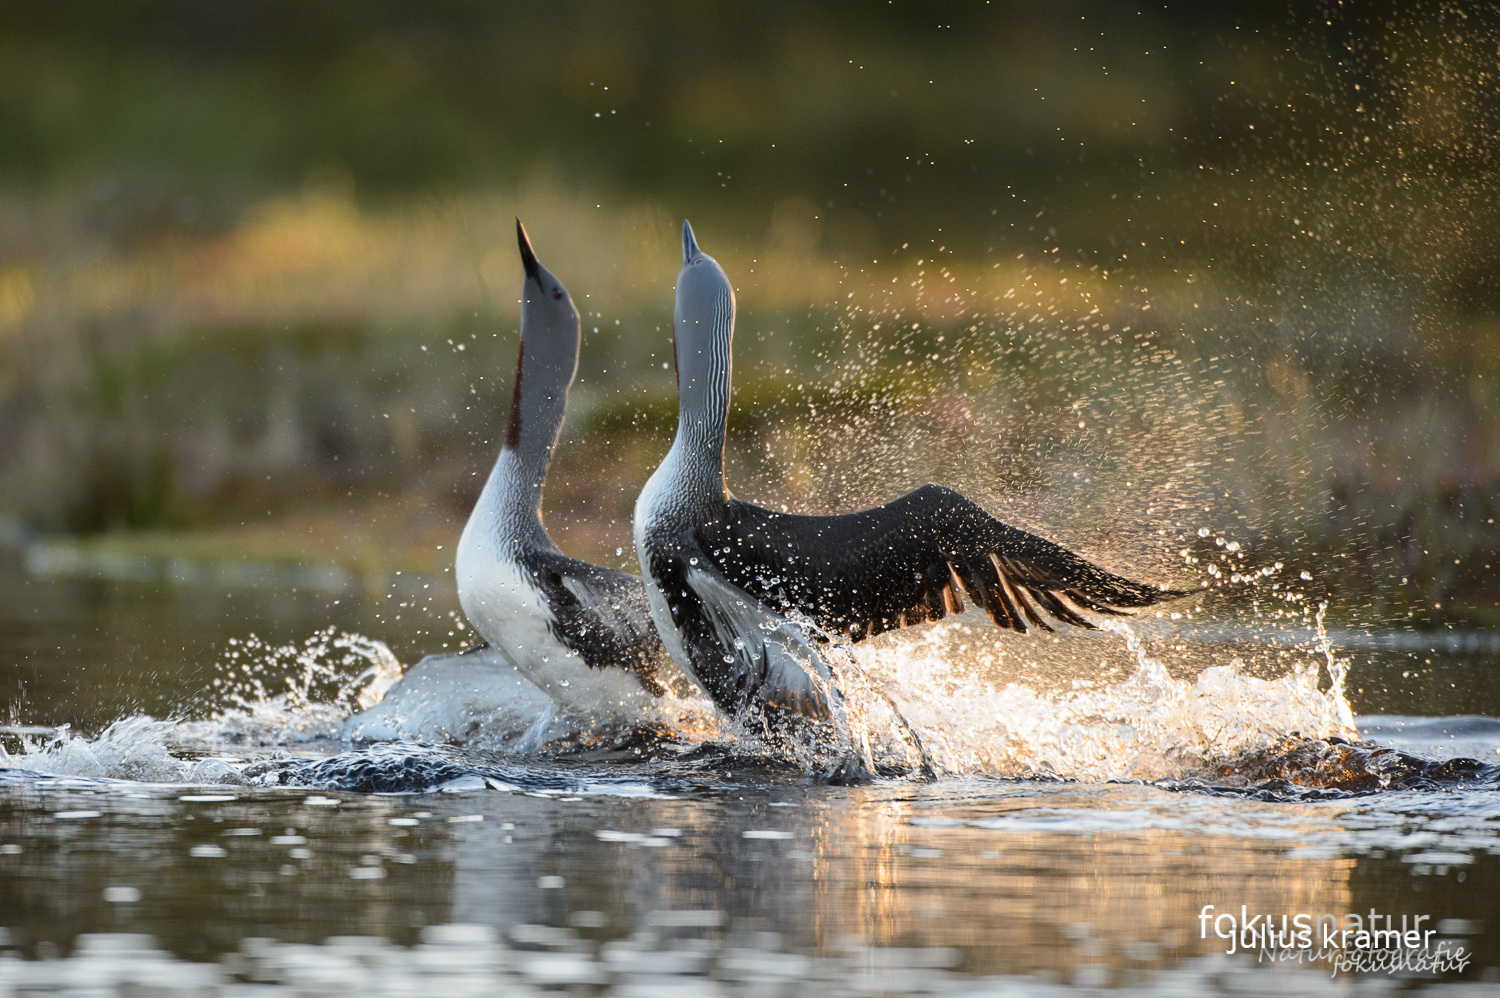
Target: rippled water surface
1082 820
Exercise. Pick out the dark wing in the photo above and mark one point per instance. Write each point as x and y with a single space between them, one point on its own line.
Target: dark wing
911 561
601 614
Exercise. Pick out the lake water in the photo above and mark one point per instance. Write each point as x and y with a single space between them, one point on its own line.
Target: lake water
1095 793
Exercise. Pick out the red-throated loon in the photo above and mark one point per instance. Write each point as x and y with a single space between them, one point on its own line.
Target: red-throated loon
731 583
580 632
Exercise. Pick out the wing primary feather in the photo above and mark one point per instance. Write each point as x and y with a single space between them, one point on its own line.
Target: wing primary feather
1032 612
985 596
969 579
934 585
1061 610
1018 593
1083 601
955 588
1007 599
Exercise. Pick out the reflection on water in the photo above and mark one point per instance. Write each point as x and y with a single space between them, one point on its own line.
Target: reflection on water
976 877
658 867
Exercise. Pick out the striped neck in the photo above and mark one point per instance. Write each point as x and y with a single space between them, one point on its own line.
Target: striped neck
510 505
702 343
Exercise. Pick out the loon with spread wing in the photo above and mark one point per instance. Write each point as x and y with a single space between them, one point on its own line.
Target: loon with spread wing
580 632
745 597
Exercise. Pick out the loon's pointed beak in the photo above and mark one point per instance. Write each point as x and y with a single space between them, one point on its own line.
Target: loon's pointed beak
689 244
528 258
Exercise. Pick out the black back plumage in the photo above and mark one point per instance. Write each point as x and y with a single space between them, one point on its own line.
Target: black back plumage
601 614
750 668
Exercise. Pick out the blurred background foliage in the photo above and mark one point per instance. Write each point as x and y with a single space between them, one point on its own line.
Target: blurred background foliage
1181 285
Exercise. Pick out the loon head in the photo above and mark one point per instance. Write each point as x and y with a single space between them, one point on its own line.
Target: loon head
550 334
703 321
549 321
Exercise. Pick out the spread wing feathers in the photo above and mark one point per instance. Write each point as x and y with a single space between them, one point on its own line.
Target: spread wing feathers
771 658
910 561
601 614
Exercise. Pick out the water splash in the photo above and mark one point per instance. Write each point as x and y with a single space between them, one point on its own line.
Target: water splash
324 680
325 663
1338 671
274 694
918 703
1148 726
133 748
473 698
336 689
921 703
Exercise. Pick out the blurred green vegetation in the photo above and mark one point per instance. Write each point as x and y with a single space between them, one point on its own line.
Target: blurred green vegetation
1127 275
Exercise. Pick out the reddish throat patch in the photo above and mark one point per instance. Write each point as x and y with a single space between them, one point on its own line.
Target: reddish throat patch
513 431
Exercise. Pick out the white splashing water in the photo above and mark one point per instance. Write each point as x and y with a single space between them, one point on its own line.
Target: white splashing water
333 689
132 748
325 679
1148 726
908 704
321 682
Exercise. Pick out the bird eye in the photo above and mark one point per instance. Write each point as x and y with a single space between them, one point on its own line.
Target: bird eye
556 293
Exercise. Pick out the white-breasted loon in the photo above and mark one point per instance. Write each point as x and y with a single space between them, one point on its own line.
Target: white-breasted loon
580 632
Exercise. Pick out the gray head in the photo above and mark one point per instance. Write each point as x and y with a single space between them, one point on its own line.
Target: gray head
703 331
548 360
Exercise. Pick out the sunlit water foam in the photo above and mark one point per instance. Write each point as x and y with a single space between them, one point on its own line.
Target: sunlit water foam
1148 726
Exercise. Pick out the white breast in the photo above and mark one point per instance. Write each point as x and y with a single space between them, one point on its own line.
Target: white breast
513 615
652 509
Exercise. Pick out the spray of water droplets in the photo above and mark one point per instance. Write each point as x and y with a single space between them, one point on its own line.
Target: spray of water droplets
264 697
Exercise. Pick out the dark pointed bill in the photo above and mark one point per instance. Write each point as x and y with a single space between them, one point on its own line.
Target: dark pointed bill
528 258
689 244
